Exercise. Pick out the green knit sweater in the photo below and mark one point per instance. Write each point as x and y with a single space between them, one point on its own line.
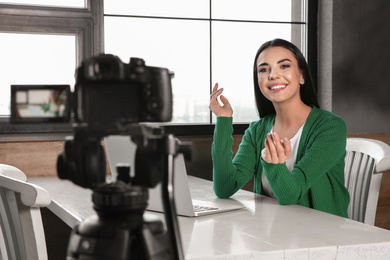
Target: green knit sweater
317 180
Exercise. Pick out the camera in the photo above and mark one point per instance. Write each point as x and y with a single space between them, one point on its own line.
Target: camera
109 93
113 98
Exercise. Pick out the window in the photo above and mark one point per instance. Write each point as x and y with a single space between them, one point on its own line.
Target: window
203 42
36 59
44 45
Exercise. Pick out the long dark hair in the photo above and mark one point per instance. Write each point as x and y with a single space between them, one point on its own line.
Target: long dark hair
308 93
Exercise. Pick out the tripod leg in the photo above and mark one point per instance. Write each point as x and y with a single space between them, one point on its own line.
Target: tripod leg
169 201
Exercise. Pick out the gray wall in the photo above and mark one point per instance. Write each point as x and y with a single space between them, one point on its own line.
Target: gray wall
354 63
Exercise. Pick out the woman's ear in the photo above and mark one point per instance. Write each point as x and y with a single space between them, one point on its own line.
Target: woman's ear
302 81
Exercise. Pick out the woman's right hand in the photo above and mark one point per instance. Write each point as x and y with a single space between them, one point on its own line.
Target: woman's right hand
224 110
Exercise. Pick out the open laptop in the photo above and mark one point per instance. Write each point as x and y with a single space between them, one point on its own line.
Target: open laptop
121 150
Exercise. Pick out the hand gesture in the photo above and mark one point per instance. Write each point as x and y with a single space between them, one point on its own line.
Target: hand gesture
276 151
215 107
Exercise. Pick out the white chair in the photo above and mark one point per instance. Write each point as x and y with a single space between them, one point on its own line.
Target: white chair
365 162
21 229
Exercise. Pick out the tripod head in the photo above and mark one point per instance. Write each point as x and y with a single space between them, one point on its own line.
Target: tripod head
120 226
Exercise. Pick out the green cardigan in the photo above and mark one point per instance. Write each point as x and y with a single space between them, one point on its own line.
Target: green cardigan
317 180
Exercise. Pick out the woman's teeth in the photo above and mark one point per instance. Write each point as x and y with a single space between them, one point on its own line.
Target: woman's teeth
277 87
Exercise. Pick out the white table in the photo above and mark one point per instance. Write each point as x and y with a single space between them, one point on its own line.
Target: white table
264 230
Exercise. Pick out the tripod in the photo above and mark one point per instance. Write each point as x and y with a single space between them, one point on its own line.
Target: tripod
120 230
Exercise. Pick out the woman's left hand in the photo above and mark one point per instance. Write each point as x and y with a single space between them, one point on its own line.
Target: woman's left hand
276 150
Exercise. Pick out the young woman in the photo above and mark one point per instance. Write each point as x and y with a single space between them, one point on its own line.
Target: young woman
296 151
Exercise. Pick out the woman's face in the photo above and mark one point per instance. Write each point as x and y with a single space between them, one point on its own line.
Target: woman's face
278 75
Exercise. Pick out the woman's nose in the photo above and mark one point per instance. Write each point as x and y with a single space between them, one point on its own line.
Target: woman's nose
273 74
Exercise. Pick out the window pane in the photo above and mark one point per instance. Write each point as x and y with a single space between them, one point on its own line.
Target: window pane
64 3
255 10
35 59
182 46
234 47
167 8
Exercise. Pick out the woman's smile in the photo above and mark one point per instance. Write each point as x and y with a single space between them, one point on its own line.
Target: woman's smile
277 87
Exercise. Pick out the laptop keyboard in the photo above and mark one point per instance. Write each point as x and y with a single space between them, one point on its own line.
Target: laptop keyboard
199 208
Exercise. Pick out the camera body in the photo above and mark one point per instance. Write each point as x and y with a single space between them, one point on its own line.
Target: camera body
112 98
109 93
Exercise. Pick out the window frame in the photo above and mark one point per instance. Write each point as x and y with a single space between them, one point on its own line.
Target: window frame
87 25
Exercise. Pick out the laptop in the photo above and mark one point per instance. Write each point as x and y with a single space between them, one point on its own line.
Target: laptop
121 150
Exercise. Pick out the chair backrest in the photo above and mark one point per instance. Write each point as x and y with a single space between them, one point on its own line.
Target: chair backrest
21 229
365 162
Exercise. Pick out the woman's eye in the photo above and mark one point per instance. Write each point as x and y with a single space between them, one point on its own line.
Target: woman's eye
285 66
263 70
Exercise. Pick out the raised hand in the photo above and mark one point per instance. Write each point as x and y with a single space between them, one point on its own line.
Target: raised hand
276 151
225 109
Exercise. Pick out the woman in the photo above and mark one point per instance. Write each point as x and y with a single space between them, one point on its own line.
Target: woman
296 151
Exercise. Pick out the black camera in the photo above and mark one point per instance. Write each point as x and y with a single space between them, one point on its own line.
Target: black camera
113 98
110 93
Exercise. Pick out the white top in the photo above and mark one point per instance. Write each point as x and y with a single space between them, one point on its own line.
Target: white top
289 162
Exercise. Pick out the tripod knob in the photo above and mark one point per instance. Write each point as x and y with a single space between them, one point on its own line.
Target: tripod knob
112 198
